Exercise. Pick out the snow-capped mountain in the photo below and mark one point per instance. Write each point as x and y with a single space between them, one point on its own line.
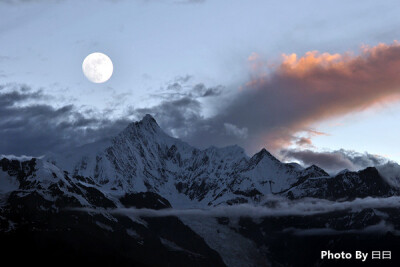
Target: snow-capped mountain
345 185
41 218
143 158
69 203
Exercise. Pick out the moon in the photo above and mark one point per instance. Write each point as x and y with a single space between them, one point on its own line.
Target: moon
97 67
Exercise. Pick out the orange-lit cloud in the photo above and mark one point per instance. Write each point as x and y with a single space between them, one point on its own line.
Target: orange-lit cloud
302 91
304 141
314 132
280 105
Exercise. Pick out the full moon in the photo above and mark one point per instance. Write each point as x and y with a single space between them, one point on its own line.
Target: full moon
97 67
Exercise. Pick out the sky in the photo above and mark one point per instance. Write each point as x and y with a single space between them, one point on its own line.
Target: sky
312 81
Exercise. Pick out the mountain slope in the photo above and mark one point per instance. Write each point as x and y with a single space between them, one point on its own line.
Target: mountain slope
45 211
345 186
77 205
143 158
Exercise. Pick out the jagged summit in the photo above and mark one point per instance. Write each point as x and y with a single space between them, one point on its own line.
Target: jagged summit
148 118
316 169
147 123
263 153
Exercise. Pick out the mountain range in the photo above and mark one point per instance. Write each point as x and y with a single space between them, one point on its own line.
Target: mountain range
78 206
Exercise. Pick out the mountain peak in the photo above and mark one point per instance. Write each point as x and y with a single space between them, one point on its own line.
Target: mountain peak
317 170
147 123
148 120
262 154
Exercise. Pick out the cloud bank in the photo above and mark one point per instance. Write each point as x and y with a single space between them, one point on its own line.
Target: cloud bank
276 207
334 160
30 126
380 228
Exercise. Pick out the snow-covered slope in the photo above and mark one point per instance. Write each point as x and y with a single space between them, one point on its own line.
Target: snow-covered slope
143 167
46 213
143 158
345 185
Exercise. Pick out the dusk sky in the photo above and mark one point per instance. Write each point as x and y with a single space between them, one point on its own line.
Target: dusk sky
312 81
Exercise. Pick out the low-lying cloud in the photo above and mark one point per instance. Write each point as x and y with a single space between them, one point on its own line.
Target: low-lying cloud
334 161
380 228
276 207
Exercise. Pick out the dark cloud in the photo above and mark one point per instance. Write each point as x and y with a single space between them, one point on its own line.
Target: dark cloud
391 172
183 118
175 86
200 90
29 126
181 87
177 117
236 131
304 141
338 160
334 160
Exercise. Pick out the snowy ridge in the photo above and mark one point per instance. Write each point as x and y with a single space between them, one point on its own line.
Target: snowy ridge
143 158
41 200
41 178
